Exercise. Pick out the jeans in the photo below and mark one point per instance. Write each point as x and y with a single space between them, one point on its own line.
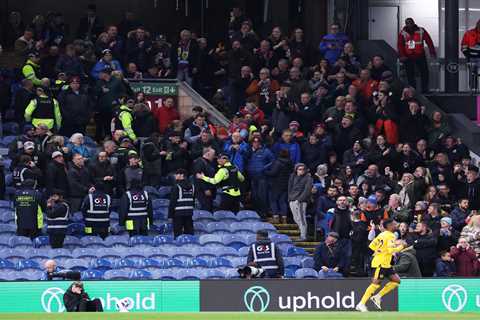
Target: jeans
260 195
182 75
279 203
299 211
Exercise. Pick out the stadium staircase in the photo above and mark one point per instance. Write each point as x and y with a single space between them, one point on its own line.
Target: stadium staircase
293 232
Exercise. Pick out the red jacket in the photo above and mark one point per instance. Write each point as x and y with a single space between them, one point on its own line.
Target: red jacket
165 116
412 45
257 115
466 261
471 39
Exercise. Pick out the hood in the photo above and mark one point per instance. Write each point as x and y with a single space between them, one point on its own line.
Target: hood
300 164
410 249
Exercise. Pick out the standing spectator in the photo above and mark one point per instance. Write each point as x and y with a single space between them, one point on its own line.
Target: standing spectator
345 135
465 258
128 23
76 107
70 64
28 211
24 47
460 214
78 181
96 209
21 100
138 47
448 236
166 114
90 26
151 154
76 144
425 243
177 155
342 225
406 264
184 57
182 203
332 44
103 172
412 52
299 191
330 260
414 123
286 142
470 189
194 130
445 265
135 212
279 174
205 192
237 150
57 215
133 171
471 233
144 122
56 175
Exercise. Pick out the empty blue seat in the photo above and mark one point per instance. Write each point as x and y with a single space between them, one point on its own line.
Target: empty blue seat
243 251
306 273
199 228
186 239
72 242
196 263
289 273
296 251
91 274
160 203
141 240
217 226
35 253
7 140
109 253
41 241
263 226
203 216
76 217
285 247
308 262
125 263
238 261
163 239
77 264
290 262
210 238
220 262
101 264
149 263
7 216
116 275
117 240
20 242
7 229
76 229
225 216
84 253
173 263
234 241
114 216
231 274
60 253
5 264
211 274
5 204
140 274
28 264
90 240
188 274
247 215
244 227
279 238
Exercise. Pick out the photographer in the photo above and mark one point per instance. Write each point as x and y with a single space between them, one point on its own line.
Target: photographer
265 255
77 300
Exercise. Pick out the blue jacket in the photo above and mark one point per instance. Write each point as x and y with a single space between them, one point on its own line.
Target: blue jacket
237 157
293 148
329 257
258 160
100 65
458 218
338 41
445 269
82 150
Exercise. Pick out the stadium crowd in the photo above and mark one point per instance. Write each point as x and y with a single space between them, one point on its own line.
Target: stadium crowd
315 137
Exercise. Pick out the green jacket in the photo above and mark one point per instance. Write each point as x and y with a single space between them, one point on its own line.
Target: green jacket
29 72
51 123
222 174
126 119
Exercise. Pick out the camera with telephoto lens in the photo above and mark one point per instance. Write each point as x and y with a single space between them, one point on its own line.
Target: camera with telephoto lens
65 275
249 272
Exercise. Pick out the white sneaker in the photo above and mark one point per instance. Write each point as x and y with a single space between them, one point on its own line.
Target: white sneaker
377 301
361 307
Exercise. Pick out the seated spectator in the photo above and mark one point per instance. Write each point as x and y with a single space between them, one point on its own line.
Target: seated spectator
77 146
406 264
465 259
445 265
330 258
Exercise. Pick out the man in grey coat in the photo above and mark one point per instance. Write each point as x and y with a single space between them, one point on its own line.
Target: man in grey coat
299 191
406 263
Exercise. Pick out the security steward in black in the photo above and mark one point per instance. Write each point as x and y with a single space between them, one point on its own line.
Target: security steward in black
182 203
266 255
57 219
28 210
229 178
25 169
96 211
135 212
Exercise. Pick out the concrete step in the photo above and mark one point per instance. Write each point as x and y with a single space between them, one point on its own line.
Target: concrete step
306 244
290 232
289 226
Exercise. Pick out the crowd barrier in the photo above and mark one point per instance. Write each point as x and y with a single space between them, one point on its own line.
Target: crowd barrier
413 295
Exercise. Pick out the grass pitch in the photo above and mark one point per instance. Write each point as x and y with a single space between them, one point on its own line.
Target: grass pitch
242 316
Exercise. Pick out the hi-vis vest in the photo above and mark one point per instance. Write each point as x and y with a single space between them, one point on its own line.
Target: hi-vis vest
185 201
413 43
265 256
98 212
138 204
60 223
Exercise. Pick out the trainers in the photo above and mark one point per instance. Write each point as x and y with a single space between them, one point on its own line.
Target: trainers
377 301
361 307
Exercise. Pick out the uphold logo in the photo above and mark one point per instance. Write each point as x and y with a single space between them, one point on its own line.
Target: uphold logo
257 299
454 298
52 300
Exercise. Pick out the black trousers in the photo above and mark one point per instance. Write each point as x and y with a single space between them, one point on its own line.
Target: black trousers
182 225
421 64
56 240
94 305
206 202
103 119
30 233
101 232
230 203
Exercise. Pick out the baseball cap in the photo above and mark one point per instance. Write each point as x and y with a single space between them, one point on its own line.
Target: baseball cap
126 139
29 145
372 199
106 51
446 220
57 154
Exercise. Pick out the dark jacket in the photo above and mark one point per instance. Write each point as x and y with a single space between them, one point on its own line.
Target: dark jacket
313 155
299 187
425 245
407 264
76 108
458 218
445 268
99 170
465 261
208 168
330 256
413 127
342 223
257 161
79 181
471 191
21 101
144 124
278 259
72 300
174 195
56 178
279 174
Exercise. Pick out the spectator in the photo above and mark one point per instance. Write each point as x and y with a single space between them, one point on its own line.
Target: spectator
330 258
103 172
182 203
69 63
56 175
406 264
287 143
470 189
425 243
166 114
144 122
448 236
78 181
185 57
193 131
237 150
412 53
138 45
460 214
76 108
205 192
332 44
152 160
471 233
106 61
465 259
90 25
279 173
445 265
299 191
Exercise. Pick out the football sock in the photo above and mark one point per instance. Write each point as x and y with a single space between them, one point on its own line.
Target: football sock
388 287
369 292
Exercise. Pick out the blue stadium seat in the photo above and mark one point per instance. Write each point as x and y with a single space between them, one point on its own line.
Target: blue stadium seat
211 274
231 274
263 226
247 215
210 238
60 253
234 241
8 180
196 263
308 262
8 276
227 251
186 239
76 229
188 274
109 253
141 240
11 128
7 140
306 273
289 273
173 263
243 251
7 216
149 263
6 264
92 274
284 247
117 241
217 226
199 228
293 262
41 241
225 216
220 262
76 217
140 274
77 264
13 255
279 238
72 242
89 240
28 264
160 203
101 264
203 216
245 227
164 274
35 253
84 253
124 263
296 251
238 261
7 229
20 242
114 216
163 239
33 275
116 275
